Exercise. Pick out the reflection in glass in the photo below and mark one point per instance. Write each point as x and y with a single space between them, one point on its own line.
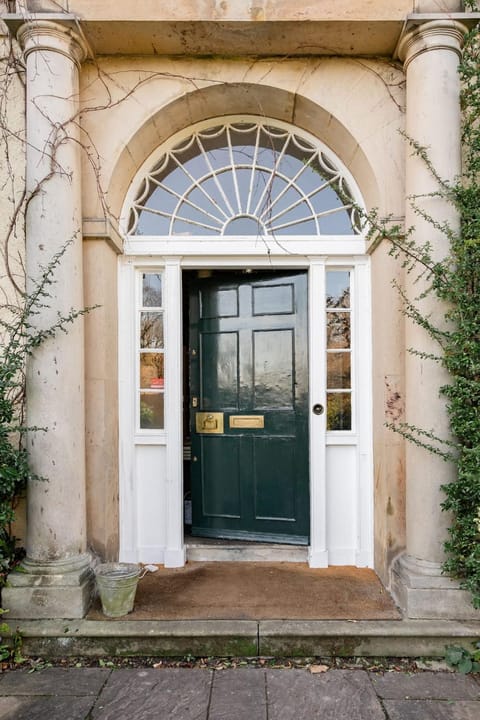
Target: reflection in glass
151 411
338 330
152 290
151 370
338 288
339 411
151 330
338 370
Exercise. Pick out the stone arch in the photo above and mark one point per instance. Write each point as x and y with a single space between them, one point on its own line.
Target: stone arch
242 98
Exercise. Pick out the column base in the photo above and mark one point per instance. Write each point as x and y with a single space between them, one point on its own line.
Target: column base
60 589
422 592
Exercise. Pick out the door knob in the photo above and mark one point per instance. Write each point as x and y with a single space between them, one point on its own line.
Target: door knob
317 409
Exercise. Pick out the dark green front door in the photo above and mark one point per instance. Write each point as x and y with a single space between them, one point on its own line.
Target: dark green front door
248 408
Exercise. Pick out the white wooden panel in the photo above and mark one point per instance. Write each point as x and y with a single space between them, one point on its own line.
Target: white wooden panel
151 508
318 555
341 504
173 493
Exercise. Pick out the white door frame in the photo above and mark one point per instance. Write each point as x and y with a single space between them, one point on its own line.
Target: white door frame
150 253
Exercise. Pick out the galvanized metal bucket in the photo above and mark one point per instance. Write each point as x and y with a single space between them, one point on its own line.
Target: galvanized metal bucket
117 585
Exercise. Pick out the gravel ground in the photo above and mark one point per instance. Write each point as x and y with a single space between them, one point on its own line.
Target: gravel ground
315 664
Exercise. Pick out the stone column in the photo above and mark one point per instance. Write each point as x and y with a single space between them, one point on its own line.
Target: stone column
430 53
56 581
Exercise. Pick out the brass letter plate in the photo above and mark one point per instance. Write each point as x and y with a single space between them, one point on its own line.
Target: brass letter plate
247 421
206 422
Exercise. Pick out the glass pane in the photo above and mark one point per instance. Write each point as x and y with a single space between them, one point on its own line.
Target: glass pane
242 225
339 411
336 223
152 370
151 410
338 330
152 224
338 288
152 290
189 213
151 330
338 370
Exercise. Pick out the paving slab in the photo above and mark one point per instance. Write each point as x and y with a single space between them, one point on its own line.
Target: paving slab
55 681
152 694
425 685
239 694
329 696
432 710
45 708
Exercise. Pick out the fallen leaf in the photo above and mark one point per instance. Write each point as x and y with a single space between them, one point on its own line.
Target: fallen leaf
314 669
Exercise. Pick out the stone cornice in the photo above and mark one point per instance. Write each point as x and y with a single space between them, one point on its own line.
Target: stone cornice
44 35
206 35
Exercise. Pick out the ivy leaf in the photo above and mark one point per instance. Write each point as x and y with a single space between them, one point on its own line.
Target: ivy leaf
454 655
465 666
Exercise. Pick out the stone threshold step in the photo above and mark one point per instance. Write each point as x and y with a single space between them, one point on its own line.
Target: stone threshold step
199 550
247 638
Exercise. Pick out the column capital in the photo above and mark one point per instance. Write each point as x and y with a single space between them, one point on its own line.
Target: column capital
44 35
432 35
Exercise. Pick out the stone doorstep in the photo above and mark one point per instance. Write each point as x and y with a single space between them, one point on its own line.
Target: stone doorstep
400 638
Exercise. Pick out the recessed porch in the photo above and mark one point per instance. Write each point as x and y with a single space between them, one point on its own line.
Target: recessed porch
259 591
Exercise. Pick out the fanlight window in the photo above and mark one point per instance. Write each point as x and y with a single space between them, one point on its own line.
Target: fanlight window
244 178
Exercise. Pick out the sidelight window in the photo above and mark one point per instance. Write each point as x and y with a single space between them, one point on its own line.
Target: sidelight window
339 350
151 352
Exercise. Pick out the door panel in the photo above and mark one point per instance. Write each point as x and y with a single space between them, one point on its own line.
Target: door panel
270 504
220 383
273 369
248 362
221 477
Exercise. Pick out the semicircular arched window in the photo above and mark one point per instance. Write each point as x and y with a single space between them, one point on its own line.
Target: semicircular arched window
245 178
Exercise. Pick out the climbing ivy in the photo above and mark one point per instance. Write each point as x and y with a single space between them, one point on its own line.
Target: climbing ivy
455 281
460 288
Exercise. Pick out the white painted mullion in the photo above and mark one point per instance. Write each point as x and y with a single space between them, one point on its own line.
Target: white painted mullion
234 171
318 552
127 344
269 183
290 183
198 183
185 200
213 174
175 548
254 171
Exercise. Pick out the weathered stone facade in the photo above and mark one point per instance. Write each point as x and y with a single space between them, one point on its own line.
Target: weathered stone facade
109 82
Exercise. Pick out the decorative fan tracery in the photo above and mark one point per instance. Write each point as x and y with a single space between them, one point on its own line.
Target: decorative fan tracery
244 178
